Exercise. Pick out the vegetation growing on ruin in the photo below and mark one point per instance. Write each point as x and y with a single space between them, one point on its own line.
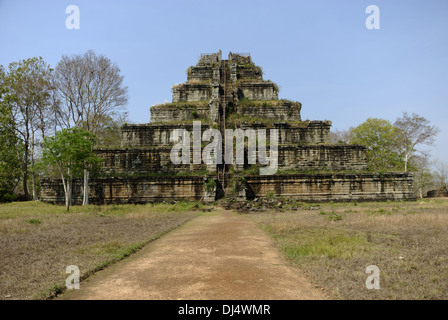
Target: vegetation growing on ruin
193 173
238 183
183 105
210 185
249 69
196 81
236 120
248 103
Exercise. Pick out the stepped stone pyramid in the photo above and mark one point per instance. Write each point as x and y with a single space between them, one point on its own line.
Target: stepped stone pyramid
230 94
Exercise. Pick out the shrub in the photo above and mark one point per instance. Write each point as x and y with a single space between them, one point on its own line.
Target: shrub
7 196
210 185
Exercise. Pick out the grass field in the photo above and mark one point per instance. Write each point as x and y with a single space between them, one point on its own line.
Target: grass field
38 241
334 243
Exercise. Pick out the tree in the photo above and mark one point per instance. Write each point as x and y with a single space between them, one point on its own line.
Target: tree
423 177
89 90
10 169
382 141
441 175
29 87
109 133
341 136
414 130
71 151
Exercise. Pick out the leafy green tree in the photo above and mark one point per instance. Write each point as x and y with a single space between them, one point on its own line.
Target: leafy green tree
71 152
384 152
10 168
29 89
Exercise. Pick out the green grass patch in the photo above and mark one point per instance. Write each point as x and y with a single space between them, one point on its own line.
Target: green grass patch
34 221
321 243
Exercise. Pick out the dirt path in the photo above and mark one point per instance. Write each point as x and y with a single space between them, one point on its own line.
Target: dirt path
219 256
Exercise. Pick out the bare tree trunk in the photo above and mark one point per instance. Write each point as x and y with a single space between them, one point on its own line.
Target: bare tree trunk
35 197
33 175
67 198
406 163
68 194
70 191
25 173
85 200
67 189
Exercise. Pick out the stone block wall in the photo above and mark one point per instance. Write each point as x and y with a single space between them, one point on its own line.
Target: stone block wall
143 161
200 73
253 73
209 59
151 135
173 113
126 190
315 132
334 187
304 187
192 92
257 91
321 158
240 59
280 112
309 132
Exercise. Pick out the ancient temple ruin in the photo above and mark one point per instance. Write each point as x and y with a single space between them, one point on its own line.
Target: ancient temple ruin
224 94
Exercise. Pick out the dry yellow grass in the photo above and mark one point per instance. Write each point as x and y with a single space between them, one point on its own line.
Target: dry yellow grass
38 241
334 244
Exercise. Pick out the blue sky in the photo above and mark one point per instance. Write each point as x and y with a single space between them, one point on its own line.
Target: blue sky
319 52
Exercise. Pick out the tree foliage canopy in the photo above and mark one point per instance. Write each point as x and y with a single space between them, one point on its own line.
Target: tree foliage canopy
10 152
414 130
89 90
28 84
70 150
383 144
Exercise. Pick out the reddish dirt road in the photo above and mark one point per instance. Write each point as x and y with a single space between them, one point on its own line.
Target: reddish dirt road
217 256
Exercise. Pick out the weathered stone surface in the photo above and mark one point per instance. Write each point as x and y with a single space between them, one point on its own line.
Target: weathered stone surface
257 91
285 111
141 161
322 158
334 187
200 73
188 92
152 135
208 59
173 113
127 190
315 132
309 132
155 160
